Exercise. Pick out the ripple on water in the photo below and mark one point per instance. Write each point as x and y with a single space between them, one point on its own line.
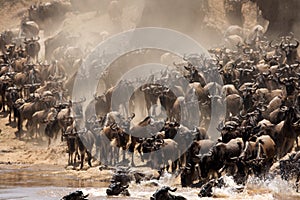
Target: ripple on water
50 183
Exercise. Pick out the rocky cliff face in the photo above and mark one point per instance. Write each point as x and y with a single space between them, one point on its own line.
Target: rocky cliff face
204 20
211 17
189 17
283 16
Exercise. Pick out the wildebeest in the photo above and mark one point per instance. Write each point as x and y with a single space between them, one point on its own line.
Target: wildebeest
29 28
259 154
115 11
119 183
163 194
79 143
6 38
284 133
11 95
27 110
220 158
50 14
290 168
62 38
32 47
78 195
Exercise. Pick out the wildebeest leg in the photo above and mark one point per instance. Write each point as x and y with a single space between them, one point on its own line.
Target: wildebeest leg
29 127
35 130
41 129
63 130
3 103
104 153
297 183
139 149
82 155
70 158
241 174
123 109
297 144
19 124
131 150
9 115
116 155
16 113
182 160
76 156
89 158
174 165
110 154
132 159
123 154
167 166
229 168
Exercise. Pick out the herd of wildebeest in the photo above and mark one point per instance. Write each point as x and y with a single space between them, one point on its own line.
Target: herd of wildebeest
258 84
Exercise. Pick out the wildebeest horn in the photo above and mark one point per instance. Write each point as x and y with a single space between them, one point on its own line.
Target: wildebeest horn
283 108
166 90
113 126
214 96
36 38
228 126
159 141
283 45
205 63
267 73
132 116
273 46
187 67
247 50
172 190
263 108
97 97
144 88
243 116
26 40
296 123
184 57
220 126
267 59
82 100
51 78
92 119
295 45
234 158
282 80
292 78
100 119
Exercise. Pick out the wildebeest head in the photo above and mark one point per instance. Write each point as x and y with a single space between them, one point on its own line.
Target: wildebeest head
188 175
205 164
116 189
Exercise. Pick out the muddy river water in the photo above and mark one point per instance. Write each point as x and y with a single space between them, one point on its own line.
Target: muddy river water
53 182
